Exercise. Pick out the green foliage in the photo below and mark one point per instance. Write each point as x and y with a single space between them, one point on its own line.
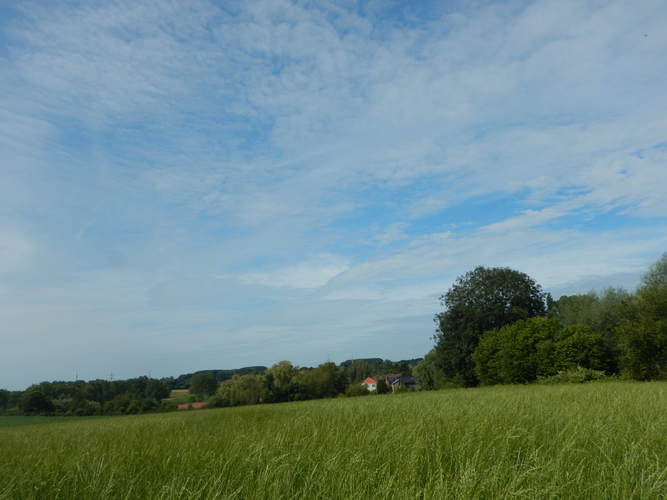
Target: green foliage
357 390
481 300
34 402
382 386
577 375
9 401
428 374
358 370
283 372
203 383
644 346
656 276
579 345
325 381
218 402
241 389
537 347
643 335
576 309
183 381
601 311
289 391
95 397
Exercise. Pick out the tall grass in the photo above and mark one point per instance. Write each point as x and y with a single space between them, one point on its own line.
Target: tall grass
572 441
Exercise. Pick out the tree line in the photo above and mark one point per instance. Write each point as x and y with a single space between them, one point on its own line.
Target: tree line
81 398
283 382
250 385
499 327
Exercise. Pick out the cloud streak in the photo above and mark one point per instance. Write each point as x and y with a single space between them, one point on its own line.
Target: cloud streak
310 177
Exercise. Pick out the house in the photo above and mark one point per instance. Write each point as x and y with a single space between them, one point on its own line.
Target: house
390 379
397 380
407 382
371 384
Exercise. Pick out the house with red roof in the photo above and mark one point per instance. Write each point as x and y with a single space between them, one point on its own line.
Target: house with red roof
371 384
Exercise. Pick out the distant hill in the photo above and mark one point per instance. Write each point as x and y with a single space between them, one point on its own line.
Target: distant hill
220 375
380 361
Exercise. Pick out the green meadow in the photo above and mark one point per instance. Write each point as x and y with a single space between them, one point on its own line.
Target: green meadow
596 440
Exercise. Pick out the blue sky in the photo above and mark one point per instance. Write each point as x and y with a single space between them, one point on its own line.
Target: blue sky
197 185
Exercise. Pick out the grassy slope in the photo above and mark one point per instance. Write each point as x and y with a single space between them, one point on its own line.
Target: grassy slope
178 396
570 441
19 421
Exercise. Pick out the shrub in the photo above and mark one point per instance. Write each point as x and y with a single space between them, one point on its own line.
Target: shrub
537 347
357 390
217 402
576 375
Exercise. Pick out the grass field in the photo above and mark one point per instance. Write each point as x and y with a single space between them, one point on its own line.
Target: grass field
178 396
21 421
606 440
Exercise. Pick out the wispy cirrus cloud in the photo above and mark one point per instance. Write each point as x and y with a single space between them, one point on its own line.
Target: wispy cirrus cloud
296 174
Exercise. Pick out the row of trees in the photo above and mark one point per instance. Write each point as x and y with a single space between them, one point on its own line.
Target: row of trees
95 397
250 385
499 327
284 382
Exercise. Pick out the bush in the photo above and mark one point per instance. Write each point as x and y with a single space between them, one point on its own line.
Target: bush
576 375
537 347
357 390
217 402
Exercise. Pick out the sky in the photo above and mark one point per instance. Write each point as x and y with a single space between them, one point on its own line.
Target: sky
216 184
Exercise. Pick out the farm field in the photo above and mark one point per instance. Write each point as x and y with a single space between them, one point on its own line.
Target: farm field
597 440
178 396
19 421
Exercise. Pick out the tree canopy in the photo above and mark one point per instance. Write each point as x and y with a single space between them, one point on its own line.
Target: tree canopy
643 334
481 300
536 347
203 383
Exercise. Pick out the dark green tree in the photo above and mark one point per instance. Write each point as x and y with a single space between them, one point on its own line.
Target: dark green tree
642 337
4 398
160 389
282 373
428 374
203 383
382 386
601 311
327 381
481 300
35 403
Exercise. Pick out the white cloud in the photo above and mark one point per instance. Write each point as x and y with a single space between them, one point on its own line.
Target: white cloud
311 274
15 251
335 167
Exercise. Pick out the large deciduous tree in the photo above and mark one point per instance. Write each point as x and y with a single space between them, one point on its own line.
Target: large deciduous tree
643 335
203 383
481 300
428 372
35 403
